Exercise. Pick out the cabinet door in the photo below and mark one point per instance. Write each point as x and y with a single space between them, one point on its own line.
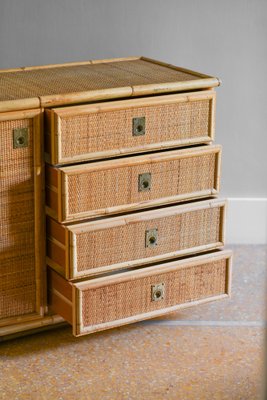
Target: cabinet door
21 217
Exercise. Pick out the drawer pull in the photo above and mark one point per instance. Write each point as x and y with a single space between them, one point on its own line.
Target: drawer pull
151 238
20 138
144 182
139 125
157 292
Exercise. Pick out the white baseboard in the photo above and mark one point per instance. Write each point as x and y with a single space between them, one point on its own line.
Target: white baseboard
246 221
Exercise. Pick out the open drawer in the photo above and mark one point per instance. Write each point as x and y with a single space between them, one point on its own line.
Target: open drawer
83 191
92 131
118 299
95 247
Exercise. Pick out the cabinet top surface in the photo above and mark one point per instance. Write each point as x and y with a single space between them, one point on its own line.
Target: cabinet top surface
52 85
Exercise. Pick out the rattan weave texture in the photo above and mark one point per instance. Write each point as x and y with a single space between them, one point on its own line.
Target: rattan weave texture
133 297
112 130
118 244
102 189
71 79
17 264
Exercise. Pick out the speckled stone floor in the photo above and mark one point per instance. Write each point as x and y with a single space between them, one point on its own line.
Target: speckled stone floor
214 351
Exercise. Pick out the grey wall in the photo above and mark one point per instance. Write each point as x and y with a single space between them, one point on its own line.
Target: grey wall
223 38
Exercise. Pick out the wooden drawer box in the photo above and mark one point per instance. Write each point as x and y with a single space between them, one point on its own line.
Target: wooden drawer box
115 300
105 187
85 132
126 241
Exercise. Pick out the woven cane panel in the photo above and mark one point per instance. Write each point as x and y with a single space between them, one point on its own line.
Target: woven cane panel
122 300
98 190
126 243
152 72
110 130
17 288
71 79
17 265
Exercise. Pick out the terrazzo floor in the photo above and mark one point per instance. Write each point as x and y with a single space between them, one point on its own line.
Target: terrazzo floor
214 351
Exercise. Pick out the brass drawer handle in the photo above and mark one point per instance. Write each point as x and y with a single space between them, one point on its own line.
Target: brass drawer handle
157 292
139 125
151 238
144 182
20 138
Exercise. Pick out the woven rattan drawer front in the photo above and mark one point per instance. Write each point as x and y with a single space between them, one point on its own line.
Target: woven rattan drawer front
100 188
81 133
141 238
20 215
116 300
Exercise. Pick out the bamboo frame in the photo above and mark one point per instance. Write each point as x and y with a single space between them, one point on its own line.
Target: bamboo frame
68 64
20 104
30 326
186 70
150 271
138 160
81 330
20 114
68 262
39 206
56 114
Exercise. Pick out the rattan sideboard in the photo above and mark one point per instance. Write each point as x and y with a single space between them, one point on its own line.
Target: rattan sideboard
109 209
